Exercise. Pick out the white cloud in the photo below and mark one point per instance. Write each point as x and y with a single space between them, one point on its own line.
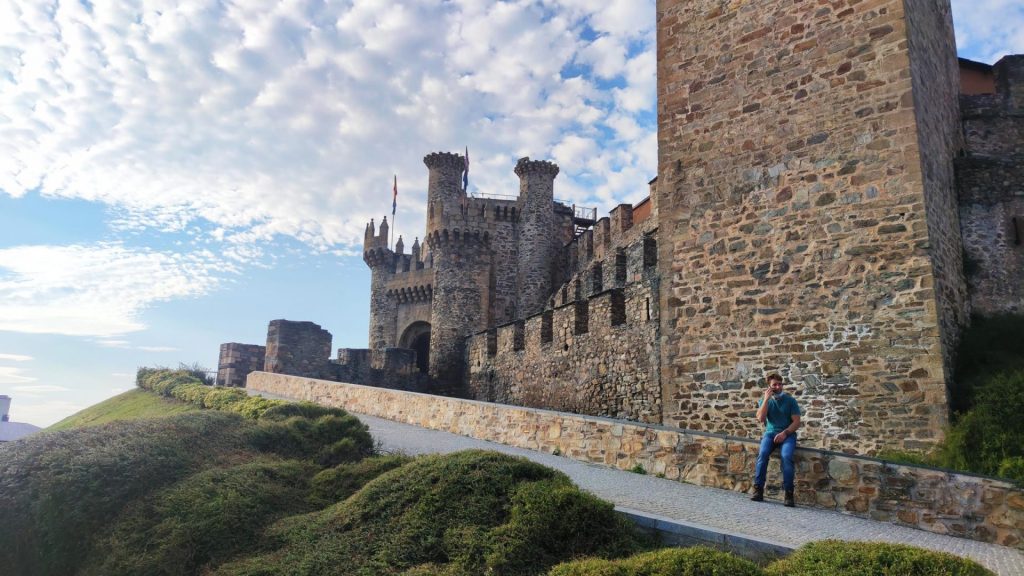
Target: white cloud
158 348
289 118
987 30
38 389
96 290
15 357
10 375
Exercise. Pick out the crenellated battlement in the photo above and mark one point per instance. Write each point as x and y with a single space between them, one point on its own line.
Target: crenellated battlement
445 160
525 166
407 294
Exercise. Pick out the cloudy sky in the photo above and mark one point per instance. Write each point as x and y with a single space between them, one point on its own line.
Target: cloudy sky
175 174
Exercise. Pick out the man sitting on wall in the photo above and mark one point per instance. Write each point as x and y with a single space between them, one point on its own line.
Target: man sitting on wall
780 414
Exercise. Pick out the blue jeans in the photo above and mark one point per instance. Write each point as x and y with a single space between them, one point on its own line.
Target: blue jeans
768 446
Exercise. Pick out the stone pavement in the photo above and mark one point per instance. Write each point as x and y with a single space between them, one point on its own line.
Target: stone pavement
697 513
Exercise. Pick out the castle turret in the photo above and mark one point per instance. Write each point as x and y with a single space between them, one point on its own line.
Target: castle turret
416 252
445 196
537 243
399 246
383 309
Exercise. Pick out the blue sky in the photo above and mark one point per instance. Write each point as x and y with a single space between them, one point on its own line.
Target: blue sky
175 174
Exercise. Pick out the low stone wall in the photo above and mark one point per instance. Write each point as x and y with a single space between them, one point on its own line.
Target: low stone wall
961 505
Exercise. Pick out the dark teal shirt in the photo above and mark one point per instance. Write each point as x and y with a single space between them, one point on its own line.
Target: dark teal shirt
781 410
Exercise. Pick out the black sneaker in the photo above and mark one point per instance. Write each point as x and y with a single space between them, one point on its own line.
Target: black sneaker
790 501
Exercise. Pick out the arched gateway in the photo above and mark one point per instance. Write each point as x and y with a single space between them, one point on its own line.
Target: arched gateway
417 337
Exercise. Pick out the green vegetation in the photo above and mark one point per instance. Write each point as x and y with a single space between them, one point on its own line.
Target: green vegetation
130 405
987 434
261 487
696 561
870 559
467 513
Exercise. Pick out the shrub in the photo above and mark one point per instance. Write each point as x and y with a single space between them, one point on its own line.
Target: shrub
696 561
991 346
58 490
223 398
202 520
829 557
443 515
254 407
1012 469
338 483
990 432
286 410
329 440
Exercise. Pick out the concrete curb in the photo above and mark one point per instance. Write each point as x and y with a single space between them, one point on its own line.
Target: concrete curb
678 533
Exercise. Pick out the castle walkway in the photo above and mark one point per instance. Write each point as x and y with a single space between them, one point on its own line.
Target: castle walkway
688 514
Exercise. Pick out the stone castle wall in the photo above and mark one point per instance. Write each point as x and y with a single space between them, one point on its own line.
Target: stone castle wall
595 349
938 501
298 348
991 182
237 360
935 81
793 220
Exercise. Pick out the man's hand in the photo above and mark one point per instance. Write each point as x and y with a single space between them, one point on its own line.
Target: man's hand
781 437
767 394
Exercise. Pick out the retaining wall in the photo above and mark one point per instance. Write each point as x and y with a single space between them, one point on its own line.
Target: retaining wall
938 501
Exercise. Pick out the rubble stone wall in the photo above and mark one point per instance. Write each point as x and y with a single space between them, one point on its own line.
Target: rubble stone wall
793 230
298 348
938 501
237 360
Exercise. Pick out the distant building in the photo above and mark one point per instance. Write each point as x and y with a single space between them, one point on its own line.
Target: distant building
12 430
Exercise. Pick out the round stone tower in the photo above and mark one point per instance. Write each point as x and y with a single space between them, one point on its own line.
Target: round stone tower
537 238
445 196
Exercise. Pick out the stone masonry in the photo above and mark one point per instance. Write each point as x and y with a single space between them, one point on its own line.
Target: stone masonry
237 360
796 143
991 182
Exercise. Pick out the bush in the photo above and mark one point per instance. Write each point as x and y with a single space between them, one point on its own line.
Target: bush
58 490
872 558
338 483
329 440
991 346
286 410
453 514
990 432
202 520
696 561
223 398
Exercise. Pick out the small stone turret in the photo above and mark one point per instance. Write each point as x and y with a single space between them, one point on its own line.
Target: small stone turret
399 246
383 309
537 244
445 196
416 252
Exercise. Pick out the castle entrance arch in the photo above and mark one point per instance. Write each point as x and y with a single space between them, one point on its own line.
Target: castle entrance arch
417 337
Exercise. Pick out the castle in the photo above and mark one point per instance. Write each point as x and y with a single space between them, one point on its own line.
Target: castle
835 196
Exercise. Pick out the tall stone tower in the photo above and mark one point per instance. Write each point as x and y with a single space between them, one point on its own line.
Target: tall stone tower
462 267
808 214
538 245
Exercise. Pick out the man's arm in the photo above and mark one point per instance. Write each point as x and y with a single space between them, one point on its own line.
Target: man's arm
762 410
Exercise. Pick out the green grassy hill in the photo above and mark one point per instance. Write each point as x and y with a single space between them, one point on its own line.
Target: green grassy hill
131 405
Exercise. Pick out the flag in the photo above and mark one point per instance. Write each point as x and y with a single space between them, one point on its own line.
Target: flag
465 173
394 197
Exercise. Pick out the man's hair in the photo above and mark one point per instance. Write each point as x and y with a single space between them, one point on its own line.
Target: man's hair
774 376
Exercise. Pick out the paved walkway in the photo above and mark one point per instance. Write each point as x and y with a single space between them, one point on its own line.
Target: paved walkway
695 507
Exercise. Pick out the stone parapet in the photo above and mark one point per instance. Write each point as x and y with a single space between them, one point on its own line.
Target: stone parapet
939 501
